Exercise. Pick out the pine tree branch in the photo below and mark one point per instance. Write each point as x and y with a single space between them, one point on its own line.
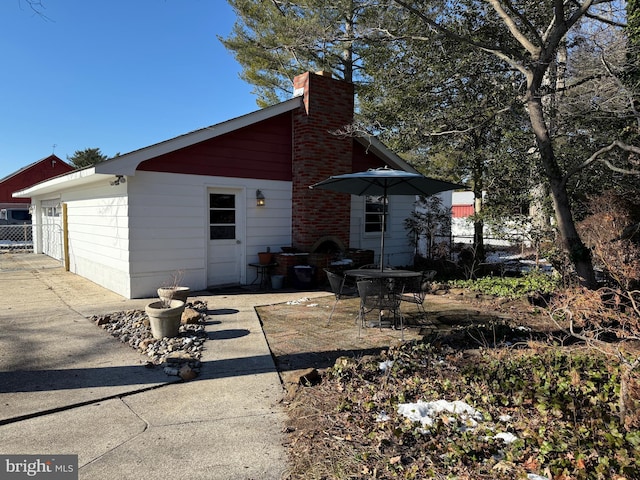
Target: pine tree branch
473 127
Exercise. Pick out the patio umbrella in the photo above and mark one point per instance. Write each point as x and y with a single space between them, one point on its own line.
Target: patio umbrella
385 181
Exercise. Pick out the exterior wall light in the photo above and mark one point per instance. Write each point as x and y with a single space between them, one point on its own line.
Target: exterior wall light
260 200
119 179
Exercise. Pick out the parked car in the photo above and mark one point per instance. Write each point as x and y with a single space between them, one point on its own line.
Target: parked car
15 216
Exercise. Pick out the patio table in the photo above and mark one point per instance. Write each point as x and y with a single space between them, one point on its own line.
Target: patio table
396 279
262 273
384 294
387 273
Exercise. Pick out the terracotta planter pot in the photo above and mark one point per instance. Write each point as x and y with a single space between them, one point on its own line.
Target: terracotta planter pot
165 322
265 258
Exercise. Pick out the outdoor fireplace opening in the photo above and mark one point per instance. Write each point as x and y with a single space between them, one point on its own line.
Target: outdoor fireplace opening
331 253
330 246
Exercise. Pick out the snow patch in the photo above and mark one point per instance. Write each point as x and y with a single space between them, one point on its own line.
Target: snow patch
427 412
300 301
507 437
386 365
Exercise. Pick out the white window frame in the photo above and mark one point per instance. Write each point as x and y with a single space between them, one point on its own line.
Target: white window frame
369 214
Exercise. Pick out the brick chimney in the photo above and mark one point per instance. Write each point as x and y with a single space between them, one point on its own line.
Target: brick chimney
319 153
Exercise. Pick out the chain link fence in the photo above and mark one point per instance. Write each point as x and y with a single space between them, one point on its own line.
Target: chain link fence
19 239
16 238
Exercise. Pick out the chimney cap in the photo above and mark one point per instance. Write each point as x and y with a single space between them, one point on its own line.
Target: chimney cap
324 73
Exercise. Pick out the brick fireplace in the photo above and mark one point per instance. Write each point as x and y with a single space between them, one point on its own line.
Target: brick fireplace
319 152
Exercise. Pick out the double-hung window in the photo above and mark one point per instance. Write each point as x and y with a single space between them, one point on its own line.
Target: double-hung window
375 208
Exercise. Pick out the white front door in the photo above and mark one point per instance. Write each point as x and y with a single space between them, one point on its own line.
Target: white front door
226 234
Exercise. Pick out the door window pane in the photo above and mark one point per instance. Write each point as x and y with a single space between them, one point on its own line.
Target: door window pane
220 233
217 200
222 216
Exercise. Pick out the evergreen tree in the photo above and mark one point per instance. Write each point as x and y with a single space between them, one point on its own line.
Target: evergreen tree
456 116
276 40
531 39
87 157
454 86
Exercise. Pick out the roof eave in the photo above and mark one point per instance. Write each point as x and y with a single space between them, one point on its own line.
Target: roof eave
392 159
56 184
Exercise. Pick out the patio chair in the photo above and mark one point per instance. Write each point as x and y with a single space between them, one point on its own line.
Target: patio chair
416 290
340 288
378 294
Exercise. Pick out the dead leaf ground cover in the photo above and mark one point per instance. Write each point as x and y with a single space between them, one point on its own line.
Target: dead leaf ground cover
502 358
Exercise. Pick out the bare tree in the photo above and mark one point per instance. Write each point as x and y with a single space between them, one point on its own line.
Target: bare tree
529 37
36 6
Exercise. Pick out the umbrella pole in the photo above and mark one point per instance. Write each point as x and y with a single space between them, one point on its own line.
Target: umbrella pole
384 223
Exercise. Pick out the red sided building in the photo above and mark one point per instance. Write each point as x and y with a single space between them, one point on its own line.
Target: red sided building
36 172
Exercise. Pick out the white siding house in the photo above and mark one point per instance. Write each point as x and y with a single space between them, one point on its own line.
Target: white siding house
187 206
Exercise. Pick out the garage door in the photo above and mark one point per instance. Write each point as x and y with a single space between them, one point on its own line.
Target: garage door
52 228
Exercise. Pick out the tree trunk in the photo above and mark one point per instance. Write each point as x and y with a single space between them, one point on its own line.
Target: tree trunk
478 231
347 53
478 187
579 254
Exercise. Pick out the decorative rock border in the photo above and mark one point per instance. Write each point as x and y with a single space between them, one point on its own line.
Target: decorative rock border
180 356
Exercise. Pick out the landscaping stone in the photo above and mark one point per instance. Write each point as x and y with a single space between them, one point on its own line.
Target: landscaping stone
190 316
180 356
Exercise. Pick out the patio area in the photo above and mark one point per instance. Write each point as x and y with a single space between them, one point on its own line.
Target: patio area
299 337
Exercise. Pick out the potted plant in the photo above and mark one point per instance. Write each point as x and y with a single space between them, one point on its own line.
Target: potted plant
264 258
164 318
175 291
167 294
165 315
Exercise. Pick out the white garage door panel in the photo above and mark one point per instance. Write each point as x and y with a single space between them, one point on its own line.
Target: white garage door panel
52 228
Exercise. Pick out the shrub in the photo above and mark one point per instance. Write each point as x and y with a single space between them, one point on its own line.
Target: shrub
612 232
533 282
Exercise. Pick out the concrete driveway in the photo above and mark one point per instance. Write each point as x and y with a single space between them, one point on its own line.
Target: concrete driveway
68 387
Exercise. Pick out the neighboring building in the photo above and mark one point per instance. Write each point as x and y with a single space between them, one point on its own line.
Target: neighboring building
190 204
462 207
44 169
509 233
462 204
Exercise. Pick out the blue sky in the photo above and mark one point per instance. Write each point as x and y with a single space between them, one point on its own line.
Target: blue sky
112 74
